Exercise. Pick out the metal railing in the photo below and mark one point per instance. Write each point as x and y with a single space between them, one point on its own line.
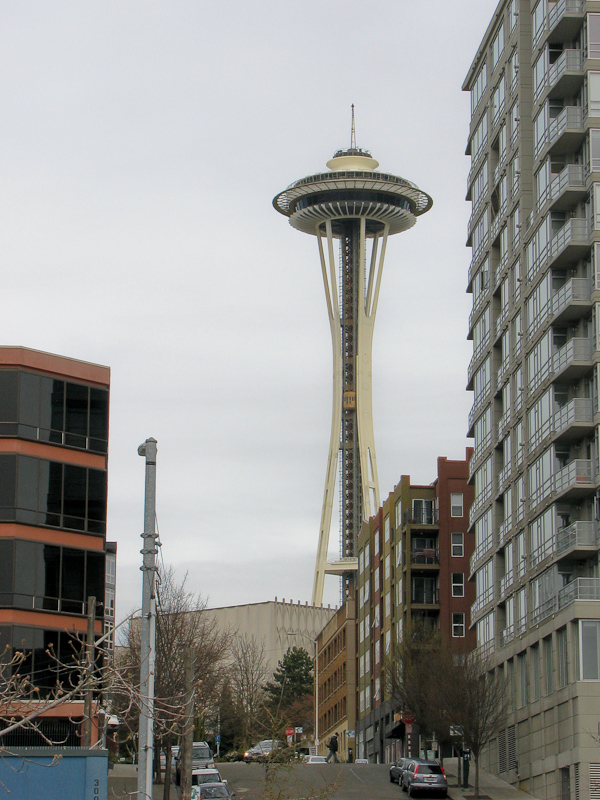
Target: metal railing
577 410
570 118
569 61
577 349
579 472
543 610
571 177
580 534
579 589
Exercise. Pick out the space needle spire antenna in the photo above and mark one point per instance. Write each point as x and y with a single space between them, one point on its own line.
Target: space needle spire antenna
351 210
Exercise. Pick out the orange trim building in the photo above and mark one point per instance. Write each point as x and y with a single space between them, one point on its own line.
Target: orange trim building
53 498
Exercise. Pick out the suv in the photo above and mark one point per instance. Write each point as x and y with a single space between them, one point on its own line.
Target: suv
424 776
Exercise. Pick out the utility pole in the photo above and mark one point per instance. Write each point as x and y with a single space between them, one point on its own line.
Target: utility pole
148 627
188 730
86 731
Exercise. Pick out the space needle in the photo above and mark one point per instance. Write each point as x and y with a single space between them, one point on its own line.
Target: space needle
351 209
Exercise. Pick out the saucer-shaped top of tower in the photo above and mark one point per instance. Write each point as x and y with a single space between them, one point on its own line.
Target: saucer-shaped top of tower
351 190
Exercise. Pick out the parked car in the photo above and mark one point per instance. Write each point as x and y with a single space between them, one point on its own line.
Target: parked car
397 769
261 751
208 791
314 760
200 776
424 776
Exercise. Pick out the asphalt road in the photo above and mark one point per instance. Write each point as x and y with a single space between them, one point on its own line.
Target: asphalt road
285 782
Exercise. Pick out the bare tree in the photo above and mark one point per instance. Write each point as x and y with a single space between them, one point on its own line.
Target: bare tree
180 625
413 675
477 698
248 675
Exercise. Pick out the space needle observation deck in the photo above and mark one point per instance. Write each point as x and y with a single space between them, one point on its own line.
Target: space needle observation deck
351 209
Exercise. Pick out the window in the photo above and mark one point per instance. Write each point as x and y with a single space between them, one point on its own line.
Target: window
458 545
478 87
387 566
498 99
538 19
111 568
563 667
522 669
388 605
386 529
458 626
479 138
548 666
376 543
513 13
377 652
456 505
535 673
423 511
594 93
593 21
458 584
590 649
398 514
498 45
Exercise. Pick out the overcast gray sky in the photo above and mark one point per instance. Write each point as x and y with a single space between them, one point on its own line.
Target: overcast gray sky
142 145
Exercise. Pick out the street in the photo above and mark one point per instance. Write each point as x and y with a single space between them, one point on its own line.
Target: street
327 781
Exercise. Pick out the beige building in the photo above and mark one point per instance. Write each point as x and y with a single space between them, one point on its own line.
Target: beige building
534 232
277 624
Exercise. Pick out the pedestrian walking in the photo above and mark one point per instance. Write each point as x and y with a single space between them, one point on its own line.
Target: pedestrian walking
333 748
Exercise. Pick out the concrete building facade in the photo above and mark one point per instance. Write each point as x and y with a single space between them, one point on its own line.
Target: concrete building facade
53 489
413 564
276 624
534 233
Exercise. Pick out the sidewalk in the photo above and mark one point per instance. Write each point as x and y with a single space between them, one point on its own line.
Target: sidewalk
489 785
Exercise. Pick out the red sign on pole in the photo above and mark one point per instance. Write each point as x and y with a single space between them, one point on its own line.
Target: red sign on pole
289 732
408 718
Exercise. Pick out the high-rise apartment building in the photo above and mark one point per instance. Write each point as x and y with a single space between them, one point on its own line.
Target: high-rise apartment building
534 186
53 549
413 564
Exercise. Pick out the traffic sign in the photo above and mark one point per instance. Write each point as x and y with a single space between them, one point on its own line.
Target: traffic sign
289 732
298 730
408 718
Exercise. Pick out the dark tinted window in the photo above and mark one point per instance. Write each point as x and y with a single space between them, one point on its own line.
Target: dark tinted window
6 571
95 576
29 399
25 567
72 580
51 575
8 395
429 769
8 484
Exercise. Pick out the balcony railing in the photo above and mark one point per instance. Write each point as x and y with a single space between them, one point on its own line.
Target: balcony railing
580 534
577 290
579 410
569 61
505 529
479 450
579 589
571 177
543 610
574 232
480 551
506 582
555 14
578 474
575 350
425 555
483 600
570 119
507 635
425 597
